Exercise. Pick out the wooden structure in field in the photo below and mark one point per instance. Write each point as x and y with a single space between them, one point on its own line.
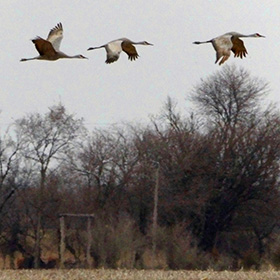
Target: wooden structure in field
89 217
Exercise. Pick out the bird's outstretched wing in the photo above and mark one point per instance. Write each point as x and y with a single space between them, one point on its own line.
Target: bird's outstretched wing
44 47
238 47
128 48
55 36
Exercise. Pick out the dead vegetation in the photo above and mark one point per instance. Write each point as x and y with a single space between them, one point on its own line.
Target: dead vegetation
102 274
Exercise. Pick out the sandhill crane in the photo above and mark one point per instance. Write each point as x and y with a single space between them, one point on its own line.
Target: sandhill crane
229 42
114 48
49 49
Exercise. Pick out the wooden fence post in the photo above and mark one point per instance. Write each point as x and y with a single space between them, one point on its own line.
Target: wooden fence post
88 241
62 241
62 236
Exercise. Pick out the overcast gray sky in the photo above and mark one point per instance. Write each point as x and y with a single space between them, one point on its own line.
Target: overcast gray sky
126 91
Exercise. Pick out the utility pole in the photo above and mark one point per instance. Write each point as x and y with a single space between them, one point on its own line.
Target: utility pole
155 212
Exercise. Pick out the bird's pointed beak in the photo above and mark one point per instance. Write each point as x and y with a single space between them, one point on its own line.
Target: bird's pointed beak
150 44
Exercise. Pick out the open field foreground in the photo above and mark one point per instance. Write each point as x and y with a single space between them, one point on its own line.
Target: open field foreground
100 274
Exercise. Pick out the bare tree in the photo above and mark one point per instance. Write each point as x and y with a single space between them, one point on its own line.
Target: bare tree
9 183
9 162
229 97
106 162
46 140
243 162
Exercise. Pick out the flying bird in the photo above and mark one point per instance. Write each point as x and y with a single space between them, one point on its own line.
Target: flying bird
49 49
114 49
229 42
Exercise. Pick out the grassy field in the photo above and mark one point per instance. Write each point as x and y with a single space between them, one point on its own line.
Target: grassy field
100 274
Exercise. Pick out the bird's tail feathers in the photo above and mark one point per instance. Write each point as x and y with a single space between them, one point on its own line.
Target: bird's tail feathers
27 59
94 48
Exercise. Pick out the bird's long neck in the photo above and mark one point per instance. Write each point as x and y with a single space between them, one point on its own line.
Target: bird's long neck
63 55
139 43
242 35
75 56
250 35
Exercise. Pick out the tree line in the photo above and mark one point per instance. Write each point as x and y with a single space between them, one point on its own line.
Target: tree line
218 183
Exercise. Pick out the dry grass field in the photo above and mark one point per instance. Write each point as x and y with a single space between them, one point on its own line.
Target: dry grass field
100 274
